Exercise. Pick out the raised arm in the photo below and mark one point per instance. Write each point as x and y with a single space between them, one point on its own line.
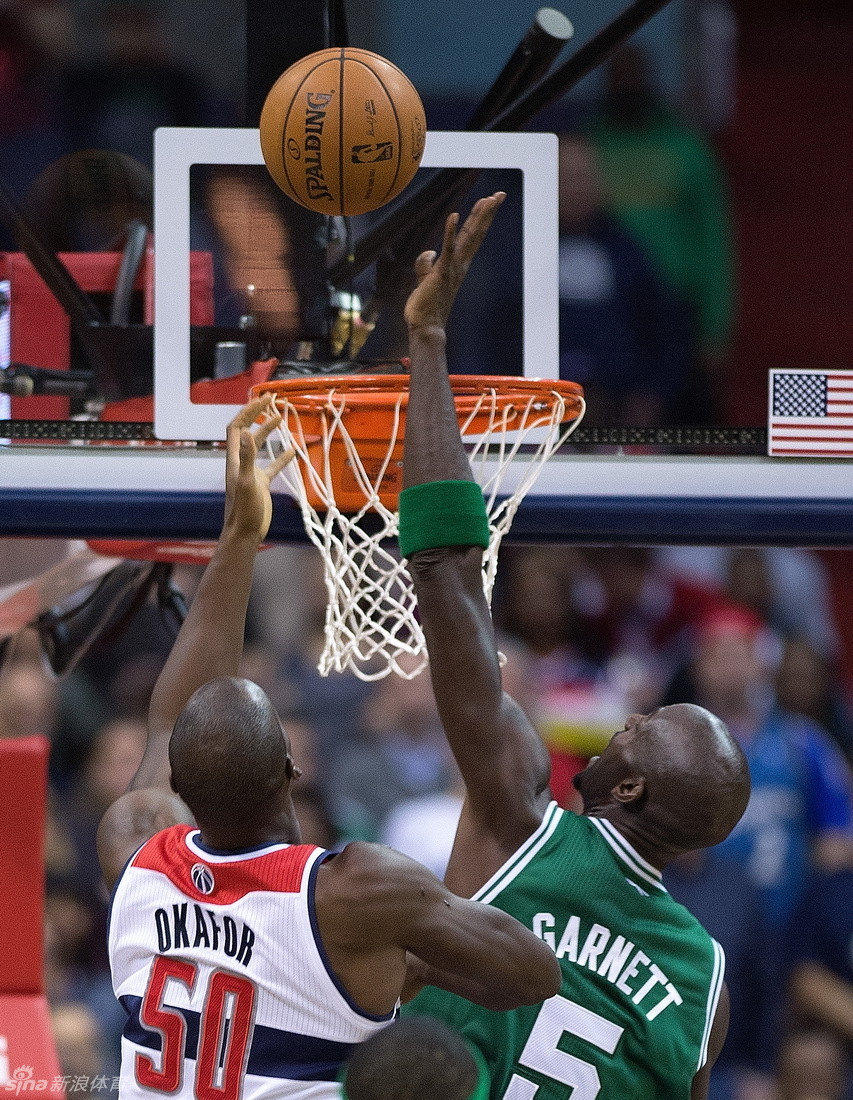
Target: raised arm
374 905
209 644
503 762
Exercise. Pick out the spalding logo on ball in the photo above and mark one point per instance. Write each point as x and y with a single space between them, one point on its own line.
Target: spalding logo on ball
343 131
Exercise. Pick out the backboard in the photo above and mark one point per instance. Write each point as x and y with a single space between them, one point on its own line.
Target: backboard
176 150
125 481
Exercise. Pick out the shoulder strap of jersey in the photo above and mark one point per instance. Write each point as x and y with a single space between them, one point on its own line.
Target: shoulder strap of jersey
522 856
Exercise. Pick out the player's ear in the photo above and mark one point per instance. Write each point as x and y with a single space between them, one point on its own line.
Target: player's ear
293 770
629 790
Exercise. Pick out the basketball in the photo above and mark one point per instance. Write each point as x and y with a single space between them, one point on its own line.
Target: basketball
343 131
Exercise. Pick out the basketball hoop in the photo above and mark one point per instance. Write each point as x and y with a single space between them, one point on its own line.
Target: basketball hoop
348 436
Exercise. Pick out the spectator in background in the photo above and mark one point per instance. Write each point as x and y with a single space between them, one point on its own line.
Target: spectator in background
312 812
665 184
786 586
400 753
118 101
799 813
821 986
812 1066
72 973
112 761
806 684
290 610
574 703
425 828
618 318
28 700
80 1048
640 618
719 893
32 130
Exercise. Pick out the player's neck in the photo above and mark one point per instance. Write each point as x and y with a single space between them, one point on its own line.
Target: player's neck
635 831
283 829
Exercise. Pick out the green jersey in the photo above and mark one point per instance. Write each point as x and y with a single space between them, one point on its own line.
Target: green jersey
641 977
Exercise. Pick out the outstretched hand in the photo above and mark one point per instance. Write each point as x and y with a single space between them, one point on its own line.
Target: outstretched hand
248 501
440 276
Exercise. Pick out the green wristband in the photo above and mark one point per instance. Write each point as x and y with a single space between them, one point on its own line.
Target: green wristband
442 513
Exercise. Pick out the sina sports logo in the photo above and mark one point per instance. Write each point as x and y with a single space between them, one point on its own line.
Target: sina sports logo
202 877
370 154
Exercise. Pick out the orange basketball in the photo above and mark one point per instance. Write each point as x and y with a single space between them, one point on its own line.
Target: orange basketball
343 131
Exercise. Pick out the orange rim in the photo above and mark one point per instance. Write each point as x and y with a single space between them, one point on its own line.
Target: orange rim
378 397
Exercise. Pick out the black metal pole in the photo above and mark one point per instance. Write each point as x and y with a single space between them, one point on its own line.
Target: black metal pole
77 304
579 65
512 117
529 62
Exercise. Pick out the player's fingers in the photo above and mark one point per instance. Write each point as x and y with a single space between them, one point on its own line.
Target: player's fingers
269 425
279 462
482 214
477 224
250 412
449 234
244 418
248 449
423 264
232 449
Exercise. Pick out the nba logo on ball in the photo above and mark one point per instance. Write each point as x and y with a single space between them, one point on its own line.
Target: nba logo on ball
202 878
343 131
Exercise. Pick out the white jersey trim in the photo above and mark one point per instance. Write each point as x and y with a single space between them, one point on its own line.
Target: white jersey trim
229 857
713 1000
340 988
629 855
522 856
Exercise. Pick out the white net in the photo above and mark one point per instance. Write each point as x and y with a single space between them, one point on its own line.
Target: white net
372 625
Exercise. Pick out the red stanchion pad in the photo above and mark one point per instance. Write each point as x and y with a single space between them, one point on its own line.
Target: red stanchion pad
23 786
28 1061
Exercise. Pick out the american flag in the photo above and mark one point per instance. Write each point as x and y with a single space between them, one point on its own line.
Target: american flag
811 413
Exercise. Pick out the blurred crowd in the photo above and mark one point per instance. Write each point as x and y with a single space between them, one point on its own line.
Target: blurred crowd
647 309
589 636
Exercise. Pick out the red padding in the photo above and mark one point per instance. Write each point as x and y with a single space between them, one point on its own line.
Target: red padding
188 552
23 786
28 1062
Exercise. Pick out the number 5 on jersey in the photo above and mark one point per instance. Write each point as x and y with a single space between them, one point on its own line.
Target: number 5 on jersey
223 1038
556 1018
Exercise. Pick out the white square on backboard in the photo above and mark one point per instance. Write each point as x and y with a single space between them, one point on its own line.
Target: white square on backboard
177 149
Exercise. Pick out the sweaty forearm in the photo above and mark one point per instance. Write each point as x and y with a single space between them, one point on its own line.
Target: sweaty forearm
460 639
434 449
479 994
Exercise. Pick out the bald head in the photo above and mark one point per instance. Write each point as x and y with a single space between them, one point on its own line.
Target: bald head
230 757
677 771
415 1058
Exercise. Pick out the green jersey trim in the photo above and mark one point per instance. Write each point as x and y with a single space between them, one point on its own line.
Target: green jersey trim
713 1000
522 856
628 855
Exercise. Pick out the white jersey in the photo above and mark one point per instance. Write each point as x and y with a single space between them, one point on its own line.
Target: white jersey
218 963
